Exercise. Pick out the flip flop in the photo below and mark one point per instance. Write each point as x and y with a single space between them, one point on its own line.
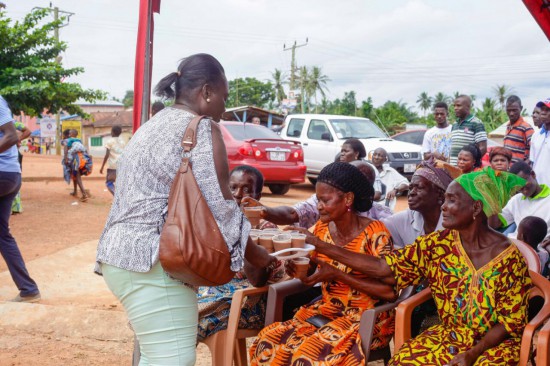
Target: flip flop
84 199
74 194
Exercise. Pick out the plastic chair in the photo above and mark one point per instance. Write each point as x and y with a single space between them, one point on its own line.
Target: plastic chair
543 346
530 255
279 291
541 287
227 345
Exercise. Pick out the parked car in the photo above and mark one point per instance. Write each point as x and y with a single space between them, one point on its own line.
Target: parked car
280 161
323 135
417 136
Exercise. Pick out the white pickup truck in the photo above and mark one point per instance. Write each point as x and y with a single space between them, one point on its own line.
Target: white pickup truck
323 135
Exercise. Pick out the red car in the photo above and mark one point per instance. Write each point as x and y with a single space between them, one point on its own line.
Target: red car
280 161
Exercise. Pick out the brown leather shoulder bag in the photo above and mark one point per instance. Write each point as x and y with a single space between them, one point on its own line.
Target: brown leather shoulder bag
192 248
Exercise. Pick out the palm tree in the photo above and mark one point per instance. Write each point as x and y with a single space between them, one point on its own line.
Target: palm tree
317 83
502 92
305 89
278 81
424 102
441 97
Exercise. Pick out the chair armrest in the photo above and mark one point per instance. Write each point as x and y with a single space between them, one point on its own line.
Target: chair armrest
237 303
277 294
543 346
368 319
403 316
541 288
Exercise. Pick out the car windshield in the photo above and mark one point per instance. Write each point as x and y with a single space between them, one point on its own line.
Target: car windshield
358 128
247 131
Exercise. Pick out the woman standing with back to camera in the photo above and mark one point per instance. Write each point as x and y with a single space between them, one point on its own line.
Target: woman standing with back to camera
162 310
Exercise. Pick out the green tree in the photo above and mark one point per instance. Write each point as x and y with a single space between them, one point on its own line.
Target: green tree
424 102
317 83
31 77
366 108
392 116
490 115
128 99
249 91
502 92
305 89
441 97
349 104
278 81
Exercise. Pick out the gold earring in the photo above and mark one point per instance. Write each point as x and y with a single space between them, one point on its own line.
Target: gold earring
208 100
474 217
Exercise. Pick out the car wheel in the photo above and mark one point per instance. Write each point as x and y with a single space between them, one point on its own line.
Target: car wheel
312 180
279 188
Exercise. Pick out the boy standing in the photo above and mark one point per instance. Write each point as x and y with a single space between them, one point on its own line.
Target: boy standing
114 148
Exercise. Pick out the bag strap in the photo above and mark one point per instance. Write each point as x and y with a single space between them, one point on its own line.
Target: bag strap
189 141
190 134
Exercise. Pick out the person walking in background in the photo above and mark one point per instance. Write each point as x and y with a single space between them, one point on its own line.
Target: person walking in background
518 132
163 311
80 162
467 130
10 182
437 140
114 148
540 145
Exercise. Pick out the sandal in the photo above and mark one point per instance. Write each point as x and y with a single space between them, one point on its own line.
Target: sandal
84 198
74 194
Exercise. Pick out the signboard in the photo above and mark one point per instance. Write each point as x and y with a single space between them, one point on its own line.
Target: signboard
47 127
72 125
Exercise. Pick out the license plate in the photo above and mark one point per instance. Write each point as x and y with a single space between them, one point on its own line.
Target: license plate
277 156
409 168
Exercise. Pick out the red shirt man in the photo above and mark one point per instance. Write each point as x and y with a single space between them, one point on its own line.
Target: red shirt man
518 132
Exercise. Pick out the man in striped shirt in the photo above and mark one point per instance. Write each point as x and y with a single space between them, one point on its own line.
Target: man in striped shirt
518 132
467 130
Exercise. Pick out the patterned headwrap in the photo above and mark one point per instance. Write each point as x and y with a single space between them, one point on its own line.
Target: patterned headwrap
439 177
493 188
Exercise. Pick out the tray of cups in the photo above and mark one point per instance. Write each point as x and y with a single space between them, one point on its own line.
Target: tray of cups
291 253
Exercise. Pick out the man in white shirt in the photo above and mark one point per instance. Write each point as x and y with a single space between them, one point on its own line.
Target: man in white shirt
534 199
540 144
113 149
394 182
437 140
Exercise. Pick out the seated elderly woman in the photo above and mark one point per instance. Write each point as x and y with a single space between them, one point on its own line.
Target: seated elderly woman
479 280
215 302
343 192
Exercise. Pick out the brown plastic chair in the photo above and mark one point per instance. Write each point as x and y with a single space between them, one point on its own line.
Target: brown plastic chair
543 346
530 255
541 287
227 345
279 291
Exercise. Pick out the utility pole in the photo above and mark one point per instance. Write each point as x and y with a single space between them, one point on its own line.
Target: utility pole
293 62
56 12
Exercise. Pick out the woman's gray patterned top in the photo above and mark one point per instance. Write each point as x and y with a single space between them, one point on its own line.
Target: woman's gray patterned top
145 173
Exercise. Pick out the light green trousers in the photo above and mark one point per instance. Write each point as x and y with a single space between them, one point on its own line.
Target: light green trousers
162 311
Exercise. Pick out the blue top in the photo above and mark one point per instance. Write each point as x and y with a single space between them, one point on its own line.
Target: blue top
8 159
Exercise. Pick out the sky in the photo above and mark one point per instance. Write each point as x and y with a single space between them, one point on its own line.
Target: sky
386 50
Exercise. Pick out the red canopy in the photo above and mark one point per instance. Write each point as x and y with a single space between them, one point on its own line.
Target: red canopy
540 10
144 61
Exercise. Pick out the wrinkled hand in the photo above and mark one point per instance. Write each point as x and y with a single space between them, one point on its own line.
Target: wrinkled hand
391 195
463 359
325 273
251 202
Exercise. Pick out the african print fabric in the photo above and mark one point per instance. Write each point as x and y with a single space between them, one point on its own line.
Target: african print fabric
493 188
296 342
469 301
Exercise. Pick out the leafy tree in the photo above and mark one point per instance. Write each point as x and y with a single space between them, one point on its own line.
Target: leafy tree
424 102
441 97
249 91
490 115
366 108
349 104
128 99
392 115
278 81
317 83
502 92
31 78
305 89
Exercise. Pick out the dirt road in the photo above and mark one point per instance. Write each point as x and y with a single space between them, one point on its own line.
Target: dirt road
78 322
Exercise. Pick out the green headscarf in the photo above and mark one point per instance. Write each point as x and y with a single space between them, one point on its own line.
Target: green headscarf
493 188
